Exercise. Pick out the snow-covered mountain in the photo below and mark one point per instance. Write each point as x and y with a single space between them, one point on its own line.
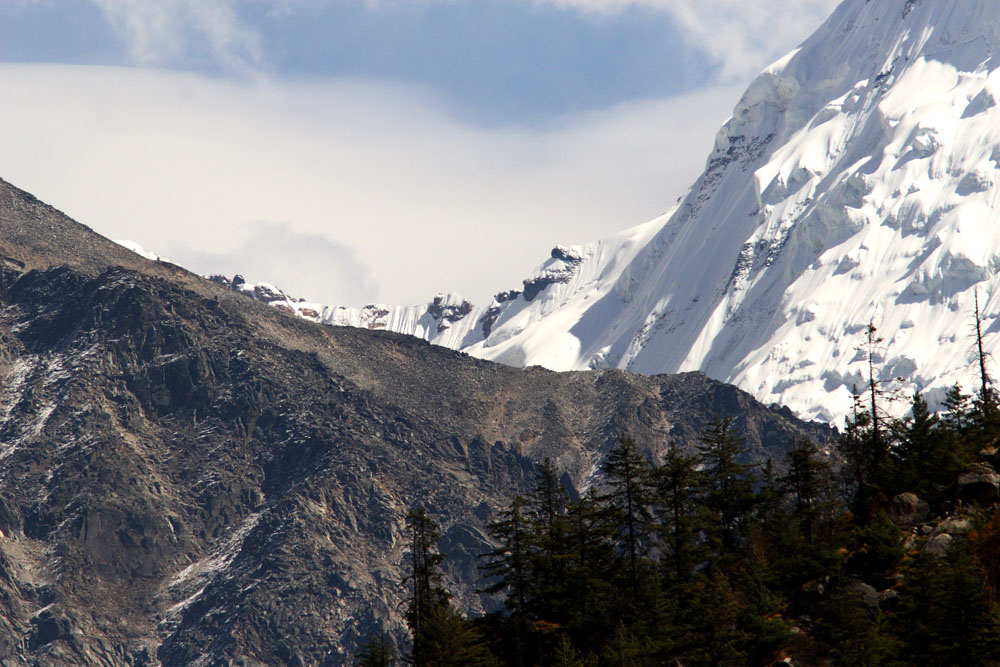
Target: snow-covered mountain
857 181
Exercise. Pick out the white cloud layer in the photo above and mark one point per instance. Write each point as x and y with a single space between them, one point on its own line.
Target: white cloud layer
744 36
159 32
413 201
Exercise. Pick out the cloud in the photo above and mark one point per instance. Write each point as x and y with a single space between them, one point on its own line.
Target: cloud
743 36
302 264
161 32
426 202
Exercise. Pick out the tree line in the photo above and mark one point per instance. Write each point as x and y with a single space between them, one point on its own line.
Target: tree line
707 559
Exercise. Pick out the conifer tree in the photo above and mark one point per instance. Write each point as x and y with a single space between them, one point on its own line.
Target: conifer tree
509 564
946 616
565 655
956 410
729 481
627 475
809 483
926 452
854 633
427 595
589 572
376 652
546 510
676 483
449 640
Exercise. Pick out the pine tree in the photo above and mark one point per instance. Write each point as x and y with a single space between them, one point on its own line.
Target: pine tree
546 510
867 455
449 640
627 474
927 453
589 573
565 655
728 480
376 652
509 564
956 410
676 488
809 482
548 500
946 616
427 595
854 633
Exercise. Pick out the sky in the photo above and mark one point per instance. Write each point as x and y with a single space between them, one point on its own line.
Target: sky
359 151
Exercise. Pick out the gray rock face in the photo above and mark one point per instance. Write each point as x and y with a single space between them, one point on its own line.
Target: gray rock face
980 484
957 525
189 476
907 509
939 545
865 592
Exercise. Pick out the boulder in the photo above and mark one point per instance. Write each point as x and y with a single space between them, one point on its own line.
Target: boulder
865 592
979 484
907 509
938 545
956 525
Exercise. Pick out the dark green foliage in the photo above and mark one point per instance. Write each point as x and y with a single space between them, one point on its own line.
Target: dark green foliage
728 483
449 640
853 633
957 410
565 655
925 451
946 616
707 560
427 595
376 652
442 637
809 483
876 546
509 565
628 505
676 494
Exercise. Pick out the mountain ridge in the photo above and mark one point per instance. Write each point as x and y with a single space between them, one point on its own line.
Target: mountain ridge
854 184
189 476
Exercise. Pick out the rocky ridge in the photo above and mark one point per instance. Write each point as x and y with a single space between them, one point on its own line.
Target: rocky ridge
189 476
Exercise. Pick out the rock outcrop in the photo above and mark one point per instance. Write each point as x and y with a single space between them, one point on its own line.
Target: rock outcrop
189 476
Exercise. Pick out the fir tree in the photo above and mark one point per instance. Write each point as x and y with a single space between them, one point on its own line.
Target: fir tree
427 595
956 410
627 477
376 652
729 481
928 455
809 482
589 573
546 510
946 615
509 564
676 484
449 640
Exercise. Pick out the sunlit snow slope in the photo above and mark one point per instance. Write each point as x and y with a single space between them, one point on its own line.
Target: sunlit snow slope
857 181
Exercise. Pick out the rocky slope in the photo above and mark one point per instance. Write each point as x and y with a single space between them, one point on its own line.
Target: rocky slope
188 476
857 181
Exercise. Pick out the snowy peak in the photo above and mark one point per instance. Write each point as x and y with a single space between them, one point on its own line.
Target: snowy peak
856 182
